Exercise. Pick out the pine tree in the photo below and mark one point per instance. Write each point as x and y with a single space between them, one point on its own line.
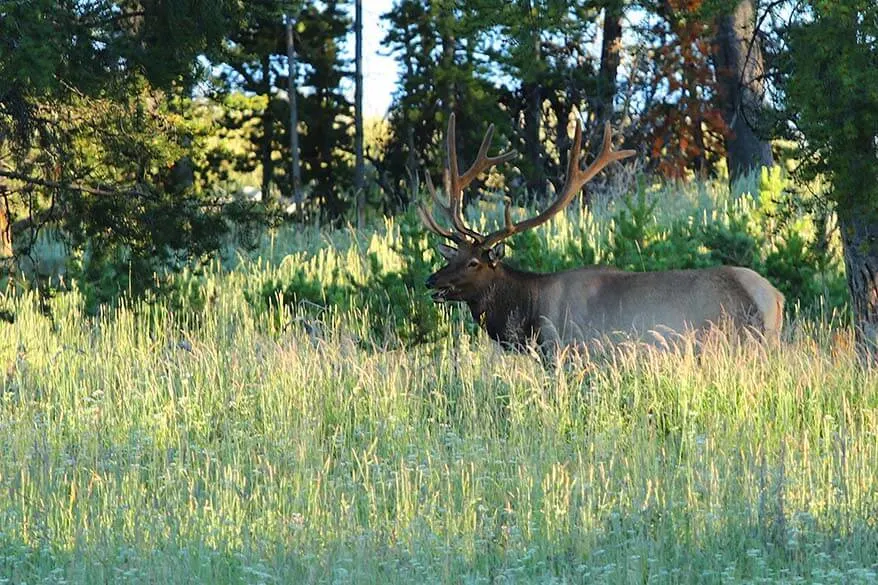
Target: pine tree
830 85
89 118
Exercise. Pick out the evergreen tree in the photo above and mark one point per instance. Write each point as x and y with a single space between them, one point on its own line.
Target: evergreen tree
523 66
830 84
251 62
90 137
543 46
414 112
443 71
255 61
327 140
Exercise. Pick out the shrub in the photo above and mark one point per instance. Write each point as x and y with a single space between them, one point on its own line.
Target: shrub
389 298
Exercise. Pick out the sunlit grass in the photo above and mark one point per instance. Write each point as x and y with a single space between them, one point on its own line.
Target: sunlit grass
134 449
230 443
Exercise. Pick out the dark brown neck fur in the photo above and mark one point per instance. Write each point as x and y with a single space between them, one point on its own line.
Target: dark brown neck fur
507 309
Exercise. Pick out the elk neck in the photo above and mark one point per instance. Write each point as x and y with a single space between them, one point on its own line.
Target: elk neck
508 306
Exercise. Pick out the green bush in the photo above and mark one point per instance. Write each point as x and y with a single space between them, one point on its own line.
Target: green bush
389 298
399 297
639 243
732 244
791 257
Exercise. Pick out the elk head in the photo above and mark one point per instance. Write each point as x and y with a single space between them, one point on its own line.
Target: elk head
468 273
473 265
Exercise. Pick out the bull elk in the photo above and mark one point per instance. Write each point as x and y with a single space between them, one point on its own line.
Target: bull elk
588 303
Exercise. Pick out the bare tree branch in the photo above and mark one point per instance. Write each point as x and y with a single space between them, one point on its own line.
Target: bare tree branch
65 185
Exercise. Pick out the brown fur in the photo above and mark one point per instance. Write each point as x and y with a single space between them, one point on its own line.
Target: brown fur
581 305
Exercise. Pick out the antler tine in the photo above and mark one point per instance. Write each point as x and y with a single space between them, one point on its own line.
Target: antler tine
430 221
451 145
573 161
484 162
452 182
456 183
434 227
437 201
575 181
607 156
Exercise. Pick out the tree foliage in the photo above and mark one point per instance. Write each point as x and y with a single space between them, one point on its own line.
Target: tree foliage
441 64
91 136
830 88
539 60
254 62
831 95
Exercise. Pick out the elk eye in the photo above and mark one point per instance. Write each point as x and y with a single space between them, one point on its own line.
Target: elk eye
473 263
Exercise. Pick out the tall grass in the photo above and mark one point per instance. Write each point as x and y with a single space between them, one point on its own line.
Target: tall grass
228 442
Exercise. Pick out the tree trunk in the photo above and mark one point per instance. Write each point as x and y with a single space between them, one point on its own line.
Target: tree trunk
562 138
446 87
536 182
359 168
610 55
739 74
859 236
411 163
5 230
411 158
533 114
267 132
295 170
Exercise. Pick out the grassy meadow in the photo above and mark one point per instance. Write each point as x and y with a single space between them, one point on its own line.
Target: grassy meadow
223 438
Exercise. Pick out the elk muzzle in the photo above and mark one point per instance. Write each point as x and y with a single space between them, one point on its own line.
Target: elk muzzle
442 288
437 293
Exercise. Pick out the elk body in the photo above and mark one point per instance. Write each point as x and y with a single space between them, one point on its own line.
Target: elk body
589 303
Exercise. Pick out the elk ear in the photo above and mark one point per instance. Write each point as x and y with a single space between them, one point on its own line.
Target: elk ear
447 252
496 254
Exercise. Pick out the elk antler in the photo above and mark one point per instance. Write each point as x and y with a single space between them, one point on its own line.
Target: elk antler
455 183
576 180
